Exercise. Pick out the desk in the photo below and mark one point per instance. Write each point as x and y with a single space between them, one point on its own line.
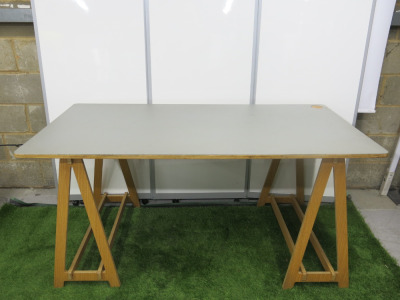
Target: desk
276 132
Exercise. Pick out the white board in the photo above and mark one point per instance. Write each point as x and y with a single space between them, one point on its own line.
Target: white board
310 52
201 51
91 52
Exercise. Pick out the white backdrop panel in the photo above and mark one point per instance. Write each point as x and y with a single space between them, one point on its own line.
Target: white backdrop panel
201 52
310 52
217 176
92 52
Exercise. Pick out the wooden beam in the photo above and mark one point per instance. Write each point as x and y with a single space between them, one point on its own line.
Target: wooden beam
88 275
308 223
339 171
300 180
114 229
98 177
84 242
285 231
115 198
95 221
273 168
64 181
317 277
284 199
315 243
133 196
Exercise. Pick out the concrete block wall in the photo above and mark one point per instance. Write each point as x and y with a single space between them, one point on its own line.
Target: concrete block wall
22 111
384 125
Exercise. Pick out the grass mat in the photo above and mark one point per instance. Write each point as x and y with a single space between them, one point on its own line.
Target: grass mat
188 253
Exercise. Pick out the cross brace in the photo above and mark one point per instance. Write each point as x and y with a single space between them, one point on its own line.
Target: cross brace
94 202
296 271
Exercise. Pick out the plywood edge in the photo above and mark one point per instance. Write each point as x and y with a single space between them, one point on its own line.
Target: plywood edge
200 156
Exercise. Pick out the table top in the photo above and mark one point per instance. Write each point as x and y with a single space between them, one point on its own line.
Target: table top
142 131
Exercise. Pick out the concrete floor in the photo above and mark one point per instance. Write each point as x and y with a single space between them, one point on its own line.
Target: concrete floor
382 216
379 212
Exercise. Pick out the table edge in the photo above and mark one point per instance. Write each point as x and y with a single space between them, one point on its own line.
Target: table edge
202 156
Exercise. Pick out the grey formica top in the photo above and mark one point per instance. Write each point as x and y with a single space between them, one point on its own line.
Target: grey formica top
199 131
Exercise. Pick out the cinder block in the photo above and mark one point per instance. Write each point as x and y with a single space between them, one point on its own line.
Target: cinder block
3 150
12 118
386 120
391 63
20 88
26 55
366 175
48 173
393 33
396 178
16 139
21 174
16 29
7 59
37 117
391 91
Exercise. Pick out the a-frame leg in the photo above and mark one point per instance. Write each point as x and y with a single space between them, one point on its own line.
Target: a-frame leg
64 181
110 273
98 177
300 181
339 171
308 223
273 168
133 196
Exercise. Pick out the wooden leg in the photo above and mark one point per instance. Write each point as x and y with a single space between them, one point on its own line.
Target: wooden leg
98 177
84 243
268 182
341 222
308 223
300 181
64 182
133 196
110 274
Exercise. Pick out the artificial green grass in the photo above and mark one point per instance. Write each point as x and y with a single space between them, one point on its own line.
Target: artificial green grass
188 253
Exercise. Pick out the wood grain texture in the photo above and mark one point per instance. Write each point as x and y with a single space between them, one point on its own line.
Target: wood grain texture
95 222
300 181
98 177
339 171
84 242
62 222
273 168
133 196
308 223
314 241
114 229
285 231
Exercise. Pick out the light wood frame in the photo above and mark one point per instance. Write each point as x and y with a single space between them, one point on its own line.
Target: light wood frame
94 201
296 271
